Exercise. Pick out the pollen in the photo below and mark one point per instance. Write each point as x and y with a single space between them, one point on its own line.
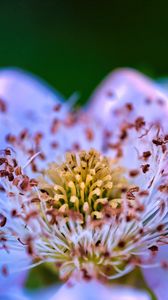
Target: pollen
85 183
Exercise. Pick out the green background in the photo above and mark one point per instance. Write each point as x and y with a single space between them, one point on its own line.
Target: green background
74 44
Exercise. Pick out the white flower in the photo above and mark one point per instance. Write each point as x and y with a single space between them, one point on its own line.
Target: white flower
94 213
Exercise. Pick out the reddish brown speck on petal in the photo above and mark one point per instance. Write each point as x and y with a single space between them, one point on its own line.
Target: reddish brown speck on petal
3 220
139 123
4 270
89 134
129 106
145 168
3 107
57 107
134 173
146 154
153 248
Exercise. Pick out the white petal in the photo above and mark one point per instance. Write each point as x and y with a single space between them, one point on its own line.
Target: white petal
128 86
25 93
157 279
30 107
27 100
147 100
13 255
13 293
97 291
12 280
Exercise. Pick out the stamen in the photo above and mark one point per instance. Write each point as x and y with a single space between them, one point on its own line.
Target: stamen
85 181
83 215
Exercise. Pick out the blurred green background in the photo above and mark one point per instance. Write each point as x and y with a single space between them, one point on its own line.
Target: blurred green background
74 44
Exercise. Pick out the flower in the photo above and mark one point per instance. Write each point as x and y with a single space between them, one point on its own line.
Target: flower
86 191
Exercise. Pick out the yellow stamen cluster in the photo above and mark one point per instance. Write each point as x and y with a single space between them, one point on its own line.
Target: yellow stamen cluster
85 183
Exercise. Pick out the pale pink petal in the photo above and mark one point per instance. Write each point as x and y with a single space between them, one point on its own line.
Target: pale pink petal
25 101
25 93
126 86
13 294
121 99
35 111
17 279
97 291
10 279
157 279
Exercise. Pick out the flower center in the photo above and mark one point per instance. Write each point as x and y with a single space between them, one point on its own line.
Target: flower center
85 183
